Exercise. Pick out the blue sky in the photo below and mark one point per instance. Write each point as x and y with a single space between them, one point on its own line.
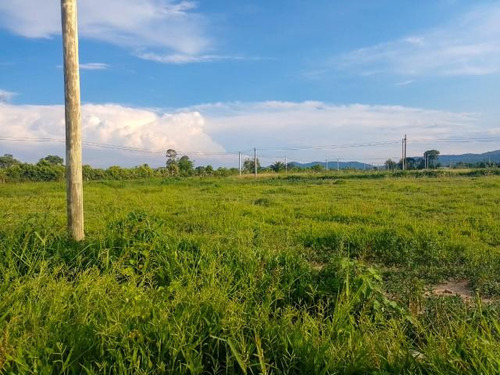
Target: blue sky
211 77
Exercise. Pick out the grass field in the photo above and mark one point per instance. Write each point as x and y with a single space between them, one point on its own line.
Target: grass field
298 275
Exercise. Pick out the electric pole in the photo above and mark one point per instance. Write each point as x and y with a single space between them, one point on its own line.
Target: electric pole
239 162
74 179
403 153
255 161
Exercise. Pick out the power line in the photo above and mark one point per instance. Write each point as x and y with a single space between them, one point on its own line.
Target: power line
457 140
112 147
248 153
325 147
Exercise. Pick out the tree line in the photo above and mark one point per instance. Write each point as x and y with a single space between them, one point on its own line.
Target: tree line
430 160
51 168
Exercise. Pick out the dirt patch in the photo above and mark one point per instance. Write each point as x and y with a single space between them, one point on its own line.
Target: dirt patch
459 288
453 288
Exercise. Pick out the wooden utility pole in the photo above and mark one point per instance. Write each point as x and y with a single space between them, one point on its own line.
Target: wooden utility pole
403 153
405 157
74 180
239 162
255 161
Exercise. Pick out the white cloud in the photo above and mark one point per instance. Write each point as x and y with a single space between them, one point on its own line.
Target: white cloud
469 45
179 59
405 83
167 25
6 96
94 66
275 128
90 66
106 124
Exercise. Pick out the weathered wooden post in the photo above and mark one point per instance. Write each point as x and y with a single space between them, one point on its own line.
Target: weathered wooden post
74 180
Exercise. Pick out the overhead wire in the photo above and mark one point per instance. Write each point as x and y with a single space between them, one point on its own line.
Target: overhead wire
248 153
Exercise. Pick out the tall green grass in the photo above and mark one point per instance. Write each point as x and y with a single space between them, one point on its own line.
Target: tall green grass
228 276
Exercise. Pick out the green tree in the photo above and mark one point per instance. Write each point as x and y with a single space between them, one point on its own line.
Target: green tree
8 161
143 171
209 170
186 166
115 172
51 160
249 165
390 164
172 162
173 170
431 156
200 170
410 163
171 157
317 168
278 166
222 171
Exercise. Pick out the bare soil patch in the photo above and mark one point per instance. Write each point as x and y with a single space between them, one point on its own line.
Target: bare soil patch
459 288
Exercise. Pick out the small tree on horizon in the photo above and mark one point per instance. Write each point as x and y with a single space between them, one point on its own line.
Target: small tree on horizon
390 164
249 166
277 166
172 162
8 160
186 165
51 160
432 157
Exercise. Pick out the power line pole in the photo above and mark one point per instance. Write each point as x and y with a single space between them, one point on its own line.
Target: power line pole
406 156
239 162
403 153
255 161
74 178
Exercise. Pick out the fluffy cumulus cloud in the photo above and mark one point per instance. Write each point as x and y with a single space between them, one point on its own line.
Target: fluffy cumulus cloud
31 131
215 133
469 45
155 25
315 130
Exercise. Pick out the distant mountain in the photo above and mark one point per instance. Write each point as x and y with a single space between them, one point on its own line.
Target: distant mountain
333 165
493 156
445 160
